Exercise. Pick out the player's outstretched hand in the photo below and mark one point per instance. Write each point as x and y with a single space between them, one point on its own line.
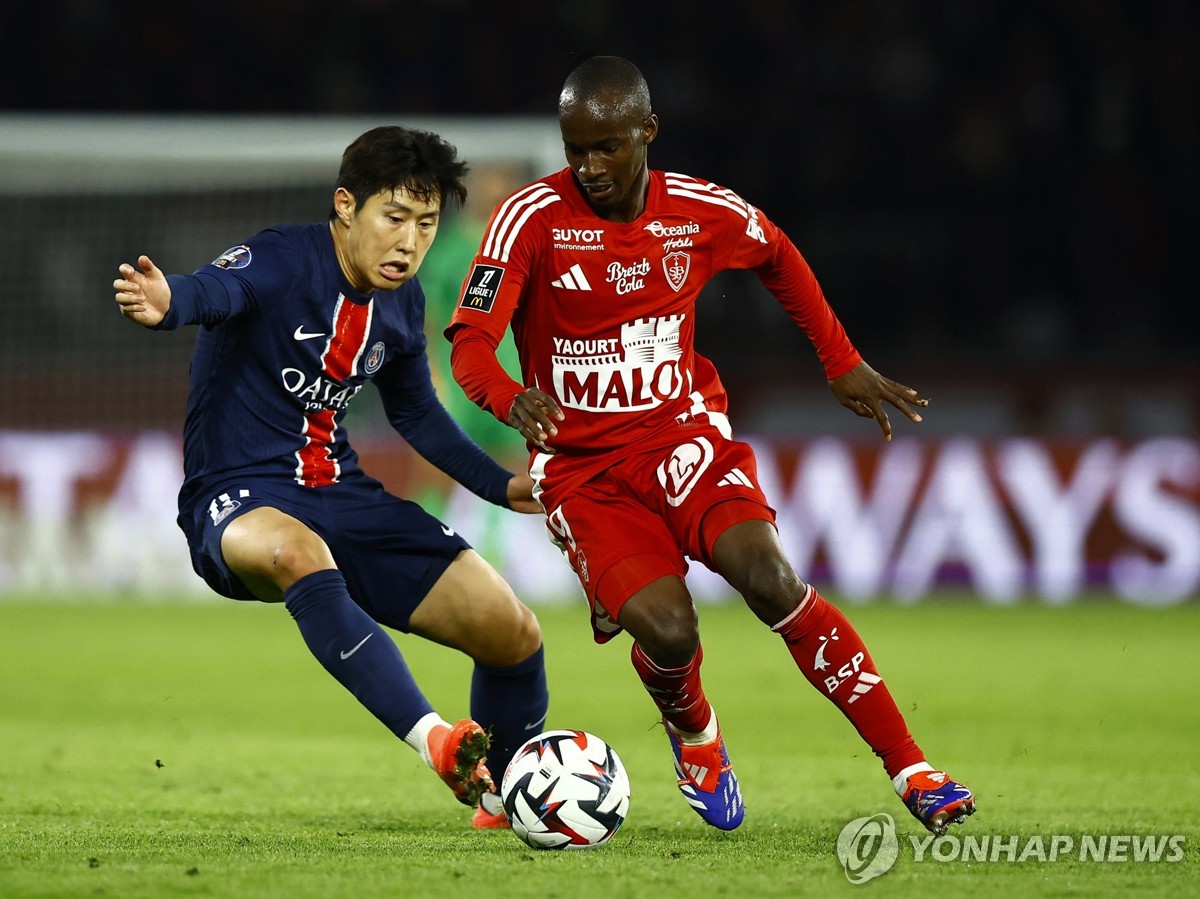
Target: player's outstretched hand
863 391
520 495
533 413
144 296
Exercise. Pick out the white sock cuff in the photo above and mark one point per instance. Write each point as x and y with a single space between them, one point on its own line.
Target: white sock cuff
418 737
705 736
800 607
900 781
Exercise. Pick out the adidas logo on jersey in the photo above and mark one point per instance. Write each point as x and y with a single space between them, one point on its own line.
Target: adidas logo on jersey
735 478
572 279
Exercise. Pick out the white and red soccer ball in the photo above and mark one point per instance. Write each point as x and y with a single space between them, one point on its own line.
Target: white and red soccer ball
565 789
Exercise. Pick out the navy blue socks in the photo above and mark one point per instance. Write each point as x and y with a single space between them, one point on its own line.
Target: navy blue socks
511 703
357 651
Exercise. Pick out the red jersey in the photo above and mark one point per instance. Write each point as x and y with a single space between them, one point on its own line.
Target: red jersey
603 313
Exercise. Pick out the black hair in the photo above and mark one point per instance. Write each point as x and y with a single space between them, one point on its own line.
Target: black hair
611 80
391 157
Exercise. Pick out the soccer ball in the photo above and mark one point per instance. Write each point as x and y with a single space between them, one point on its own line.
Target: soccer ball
565 789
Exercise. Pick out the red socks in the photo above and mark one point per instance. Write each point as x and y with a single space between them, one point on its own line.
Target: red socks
676 691
831 654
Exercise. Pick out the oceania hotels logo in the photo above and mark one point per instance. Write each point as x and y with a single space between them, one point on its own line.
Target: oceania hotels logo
674 237
658 229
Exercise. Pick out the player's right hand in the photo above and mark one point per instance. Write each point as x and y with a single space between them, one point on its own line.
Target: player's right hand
144 296
533 414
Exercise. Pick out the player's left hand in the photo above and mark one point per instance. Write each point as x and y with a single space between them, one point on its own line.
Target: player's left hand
520 495
863 391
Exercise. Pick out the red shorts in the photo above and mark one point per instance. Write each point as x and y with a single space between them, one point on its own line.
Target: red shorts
643 517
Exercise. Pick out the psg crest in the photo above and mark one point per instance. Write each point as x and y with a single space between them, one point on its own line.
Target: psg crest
374 358
676 266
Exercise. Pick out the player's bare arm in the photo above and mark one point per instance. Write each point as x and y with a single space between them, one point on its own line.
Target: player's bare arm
144 296
533 414
863 391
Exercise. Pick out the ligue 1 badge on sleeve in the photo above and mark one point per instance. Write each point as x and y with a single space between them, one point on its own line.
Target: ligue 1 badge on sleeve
234 257
482 287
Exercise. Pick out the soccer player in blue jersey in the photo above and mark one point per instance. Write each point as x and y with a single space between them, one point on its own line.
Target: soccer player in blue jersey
274 504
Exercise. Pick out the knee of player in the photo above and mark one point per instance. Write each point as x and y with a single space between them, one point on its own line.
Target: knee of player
673 639
293 559
773 589
513 637
526 634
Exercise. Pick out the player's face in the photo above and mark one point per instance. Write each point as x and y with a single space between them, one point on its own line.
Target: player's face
385 240
607 152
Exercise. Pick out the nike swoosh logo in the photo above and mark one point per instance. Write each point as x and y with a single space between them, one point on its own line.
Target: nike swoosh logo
301 334
449 532
537 724
346 655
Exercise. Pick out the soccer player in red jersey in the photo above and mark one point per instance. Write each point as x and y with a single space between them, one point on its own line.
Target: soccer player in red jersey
295 322
598 269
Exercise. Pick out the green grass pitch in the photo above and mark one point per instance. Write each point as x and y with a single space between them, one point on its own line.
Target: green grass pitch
196 749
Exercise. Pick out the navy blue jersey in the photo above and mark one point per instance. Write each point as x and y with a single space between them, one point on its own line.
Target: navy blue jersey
285 344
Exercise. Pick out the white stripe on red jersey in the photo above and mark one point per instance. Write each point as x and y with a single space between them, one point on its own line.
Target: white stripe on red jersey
512 215
682 186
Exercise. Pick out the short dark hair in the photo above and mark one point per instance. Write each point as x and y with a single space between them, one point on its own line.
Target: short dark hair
392 156
609 78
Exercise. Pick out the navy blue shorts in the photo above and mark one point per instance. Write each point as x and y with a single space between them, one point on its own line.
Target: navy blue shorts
390 550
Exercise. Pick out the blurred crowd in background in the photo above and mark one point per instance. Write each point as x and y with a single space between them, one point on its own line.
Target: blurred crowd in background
1000 197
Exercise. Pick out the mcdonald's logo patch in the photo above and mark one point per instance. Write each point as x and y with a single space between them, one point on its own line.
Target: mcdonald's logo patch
482 287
